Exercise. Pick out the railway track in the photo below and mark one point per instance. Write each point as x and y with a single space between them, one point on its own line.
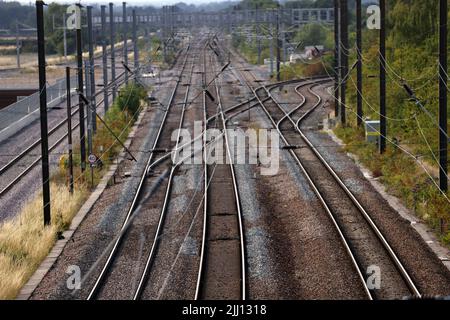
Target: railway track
126 241
147 258
222 270
368 243
222 266
169 123
156 241
29 157
222 261
363 241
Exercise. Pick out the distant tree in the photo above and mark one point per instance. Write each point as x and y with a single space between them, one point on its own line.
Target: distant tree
251 4
53 24
312 34
302 4
413 21
12 11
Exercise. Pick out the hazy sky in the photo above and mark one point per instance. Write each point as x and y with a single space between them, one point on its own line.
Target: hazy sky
157 3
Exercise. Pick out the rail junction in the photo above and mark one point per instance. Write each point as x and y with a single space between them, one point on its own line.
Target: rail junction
177 230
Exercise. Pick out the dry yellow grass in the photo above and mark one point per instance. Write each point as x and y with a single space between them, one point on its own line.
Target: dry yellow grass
7 61
25 242
30 60
10 47
26 60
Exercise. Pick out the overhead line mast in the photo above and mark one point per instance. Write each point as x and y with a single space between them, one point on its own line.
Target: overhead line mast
344 58
443 99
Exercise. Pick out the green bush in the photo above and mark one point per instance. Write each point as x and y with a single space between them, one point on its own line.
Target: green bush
129 99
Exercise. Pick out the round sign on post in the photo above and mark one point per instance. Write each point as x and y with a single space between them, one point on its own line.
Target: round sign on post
92 160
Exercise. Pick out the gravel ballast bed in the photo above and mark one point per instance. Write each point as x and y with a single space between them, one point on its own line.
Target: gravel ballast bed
293 252
105 219
428 272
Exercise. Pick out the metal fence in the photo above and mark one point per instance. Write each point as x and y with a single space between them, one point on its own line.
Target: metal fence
30 104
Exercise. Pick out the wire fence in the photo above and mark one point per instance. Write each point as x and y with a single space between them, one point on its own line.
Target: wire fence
30 104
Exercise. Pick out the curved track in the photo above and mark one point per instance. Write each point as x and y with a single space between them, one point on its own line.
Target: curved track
222 265
363 241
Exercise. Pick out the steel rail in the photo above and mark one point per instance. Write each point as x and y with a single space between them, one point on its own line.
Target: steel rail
221 113
148 167
34 145
405 275
321 199
35 161
155 243
237 198
205 186
20 156
213 117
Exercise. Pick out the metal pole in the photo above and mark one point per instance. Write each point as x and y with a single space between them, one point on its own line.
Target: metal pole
382 76
104 59
163 32
91 114
271 51
258 37
94 38
65 37
135 44
125 44
283 27
359 102
80 90
336 57
113 54
277 34
43 111
17 45
171 19
443 140
344 57
89 109
69 128
91 70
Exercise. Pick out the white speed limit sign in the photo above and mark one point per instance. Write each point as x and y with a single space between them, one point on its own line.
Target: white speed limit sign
92 159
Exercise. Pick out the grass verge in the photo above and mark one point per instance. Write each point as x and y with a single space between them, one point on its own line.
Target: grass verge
403 178
297 70
24 241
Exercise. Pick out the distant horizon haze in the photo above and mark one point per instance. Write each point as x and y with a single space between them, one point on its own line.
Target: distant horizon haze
154 3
